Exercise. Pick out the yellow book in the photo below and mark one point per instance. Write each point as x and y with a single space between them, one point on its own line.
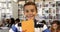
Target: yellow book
28 26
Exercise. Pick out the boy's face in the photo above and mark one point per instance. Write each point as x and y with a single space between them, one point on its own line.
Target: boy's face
55 26
30 11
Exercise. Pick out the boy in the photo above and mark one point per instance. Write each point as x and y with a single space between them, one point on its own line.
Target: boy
30 11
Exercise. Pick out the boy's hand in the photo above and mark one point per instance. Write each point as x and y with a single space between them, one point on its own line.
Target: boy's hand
24 30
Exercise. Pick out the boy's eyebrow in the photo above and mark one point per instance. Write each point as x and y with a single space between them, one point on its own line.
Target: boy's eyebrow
31 9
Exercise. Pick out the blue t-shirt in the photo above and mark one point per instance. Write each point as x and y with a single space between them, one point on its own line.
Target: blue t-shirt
47 30
14 28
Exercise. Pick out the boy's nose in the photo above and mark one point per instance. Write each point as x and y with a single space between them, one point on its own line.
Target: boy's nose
30 12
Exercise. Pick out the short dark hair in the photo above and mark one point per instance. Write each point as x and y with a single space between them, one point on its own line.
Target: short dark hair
17 20
43 21
30 3
56 22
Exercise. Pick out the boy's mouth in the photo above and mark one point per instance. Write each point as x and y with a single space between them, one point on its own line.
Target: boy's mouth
30 16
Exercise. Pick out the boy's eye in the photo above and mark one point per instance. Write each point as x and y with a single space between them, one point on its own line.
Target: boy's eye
27 11
32 10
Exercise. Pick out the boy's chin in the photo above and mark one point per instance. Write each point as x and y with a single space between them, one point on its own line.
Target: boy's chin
30 18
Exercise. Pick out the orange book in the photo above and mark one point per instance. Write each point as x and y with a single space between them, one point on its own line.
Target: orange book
28 26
